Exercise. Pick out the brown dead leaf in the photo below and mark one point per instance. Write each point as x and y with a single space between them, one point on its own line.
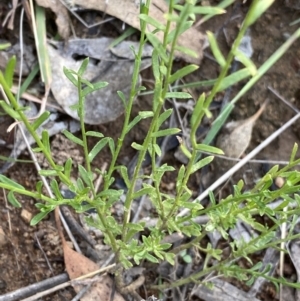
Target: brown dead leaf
102 105
62 16
78 265
128 11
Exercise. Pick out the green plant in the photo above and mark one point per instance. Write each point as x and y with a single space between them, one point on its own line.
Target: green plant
222 216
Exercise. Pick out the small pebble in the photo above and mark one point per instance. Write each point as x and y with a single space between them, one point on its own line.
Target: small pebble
26 216
279 182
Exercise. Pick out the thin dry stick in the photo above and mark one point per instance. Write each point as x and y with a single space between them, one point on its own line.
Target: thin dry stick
12 18
258 161
283 99
10 15
236 167
35 99
61 286
87 287
45 255
48 292
31 289
100 178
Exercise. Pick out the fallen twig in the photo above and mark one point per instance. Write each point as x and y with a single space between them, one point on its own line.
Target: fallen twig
35 288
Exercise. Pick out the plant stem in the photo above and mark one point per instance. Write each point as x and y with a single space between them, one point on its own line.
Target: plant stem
32 132
128 109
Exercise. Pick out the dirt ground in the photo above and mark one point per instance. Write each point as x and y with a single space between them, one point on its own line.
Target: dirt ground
22 256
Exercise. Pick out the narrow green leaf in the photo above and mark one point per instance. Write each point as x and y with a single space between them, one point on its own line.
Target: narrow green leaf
83 66
146 114
259 8
293 154
273 170
94 134
40 35
182 73
222 4
215 49
143 191
128 32
246 61
122 97
37 218
12 199
85 175
3 46
9 110
75 107
55 189
68 168
183 95
34 71
111 145
42 118
46 141
209 149
39 186
207 10
112 193
184 27
180 176
48 172
96 86
69 74
172 17
187 51
151 258
163 117
183 148
36 149
80 184
158 45
137 146
9 71
163 70
155 65
133 229
233 79
158 254
5 180
97 148
86 82
73 138
170 258
203 162
136 119
166 132
157 150
218 123
59 168
198 109
153 22
124 173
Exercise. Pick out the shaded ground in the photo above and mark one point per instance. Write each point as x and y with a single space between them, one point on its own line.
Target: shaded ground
22 261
